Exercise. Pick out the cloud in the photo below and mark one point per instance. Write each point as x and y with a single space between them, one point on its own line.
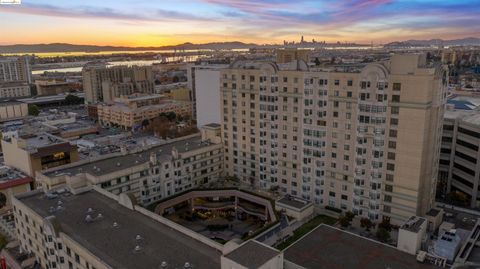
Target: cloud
156 15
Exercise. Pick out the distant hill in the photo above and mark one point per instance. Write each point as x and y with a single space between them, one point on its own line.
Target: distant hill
64 47
468 41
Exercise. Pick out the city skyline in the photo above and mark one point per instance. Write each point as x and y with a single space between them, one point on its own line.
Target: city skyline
147 23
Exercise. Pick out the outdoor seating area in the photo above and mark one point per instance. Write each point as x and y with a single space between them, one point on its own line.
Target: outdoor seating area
221 216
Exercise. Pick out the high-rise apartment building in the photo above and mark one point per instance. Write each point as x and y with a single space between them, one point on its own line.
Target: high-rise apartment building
364 139
15 69
15 77
103 84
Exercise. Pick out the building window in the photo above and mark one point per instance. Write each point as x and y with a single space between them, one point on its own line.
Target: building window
397 86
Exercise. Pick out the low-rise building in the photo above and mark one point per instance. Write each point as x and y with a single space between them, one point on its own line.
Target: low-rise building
36 152
290 55
151 174
94 229
53 87
12 182
129 112
411 234
13 110
14 90
329 247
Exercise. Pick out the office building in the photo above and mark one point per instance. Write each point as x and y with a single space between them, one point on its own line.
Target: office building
36 152
149 174
364 139
103 84
129 112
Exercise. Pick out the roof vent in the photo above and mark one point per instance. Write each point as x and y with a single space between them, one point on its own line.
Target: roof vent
59 208
90 210
88 219
99 216
163 264
118 164
137 249
52 209
138 238
59 202
187 265
116 225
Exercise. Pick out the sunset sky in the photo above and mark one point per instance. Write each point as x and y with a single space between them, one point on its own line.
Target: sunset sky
170 22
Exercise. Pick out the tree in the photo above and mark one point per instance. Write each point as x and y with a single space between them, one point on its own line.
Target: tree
73 100
385 224
162 127
350 215
383 235
366 223
345 221
458 198
145 123
171 116
33 110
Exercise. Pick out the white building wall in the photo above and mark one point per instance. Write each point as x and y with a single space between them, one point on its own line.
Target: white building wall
207 86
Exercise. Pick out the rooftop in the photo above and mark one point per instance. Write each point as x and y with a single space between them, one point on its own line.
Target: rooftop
413 224
113 164
328 247
11 177
10 102
252 254
158 242
294 202
213 125
433 212
41 140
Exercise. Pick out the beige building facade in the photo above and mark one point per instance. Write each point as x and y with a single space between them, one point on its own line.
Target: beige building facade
130 111
366 140
149 174
103 84
290 55
33 153
15 77
13 110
